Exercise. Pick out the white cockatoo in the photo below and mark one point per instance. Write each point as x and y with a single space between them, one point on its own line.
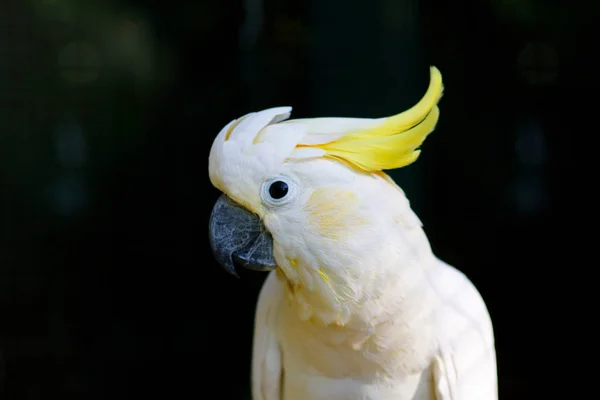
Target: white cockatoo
356 305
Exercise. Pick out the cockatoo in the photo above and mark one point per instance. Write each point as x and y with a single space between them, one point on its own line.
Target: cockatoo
356 305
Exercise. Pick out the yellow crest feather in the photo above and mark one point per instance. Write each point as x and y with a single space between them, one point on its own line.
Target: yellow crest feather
394 143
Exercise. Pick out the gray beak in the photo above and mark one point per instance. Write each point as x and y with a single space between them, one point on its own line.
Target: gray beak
239 237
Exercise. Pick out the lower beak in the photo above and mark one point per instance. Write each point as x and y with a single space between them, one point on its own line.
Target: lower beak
239 237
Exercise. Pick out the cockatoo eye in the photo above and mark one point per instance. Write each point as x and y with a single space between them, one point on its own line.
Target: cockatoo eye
278 191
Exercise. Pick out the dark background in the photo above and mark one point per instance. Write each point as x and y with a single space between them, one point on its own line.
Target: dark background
108 289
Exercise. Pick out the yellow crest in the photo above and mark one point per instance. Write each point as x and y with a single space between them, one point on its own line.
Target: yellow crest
392 142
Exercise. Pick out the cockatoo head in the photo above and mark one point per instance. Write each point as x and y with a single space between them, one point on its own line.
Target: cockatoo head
309 195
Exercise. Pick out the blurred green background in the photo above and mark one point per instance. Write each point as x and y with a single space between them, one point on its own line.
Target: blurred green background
108 289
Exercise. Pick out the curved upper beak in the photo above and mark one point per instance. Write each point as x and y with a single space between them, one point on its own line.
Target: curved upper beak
239 237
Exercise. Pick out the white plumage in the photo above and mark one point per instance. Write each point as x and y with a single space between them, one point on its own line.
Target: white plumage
359 307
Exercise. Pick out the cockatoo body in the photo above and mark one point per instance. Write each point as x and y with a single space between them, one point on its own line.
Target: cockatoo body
356 305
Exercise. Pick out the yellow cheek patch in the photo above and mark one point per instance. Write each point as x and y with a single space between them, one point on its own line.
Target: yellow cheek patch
333 212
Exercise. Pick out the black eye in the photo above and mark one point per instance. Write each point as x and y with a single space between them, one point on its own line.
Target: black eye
278 190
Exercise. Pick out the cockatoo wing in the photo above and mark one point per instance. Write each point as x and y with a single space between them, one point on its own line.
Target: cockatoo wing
465 366
266 354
